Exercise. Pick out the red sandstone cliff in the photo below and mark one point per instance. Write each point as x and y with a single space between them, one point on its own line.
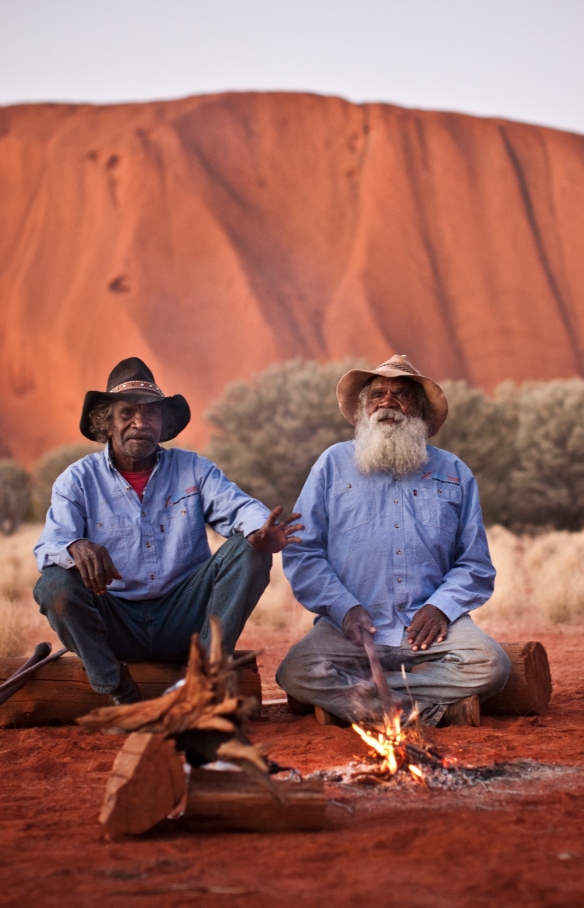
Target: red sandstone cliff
214 235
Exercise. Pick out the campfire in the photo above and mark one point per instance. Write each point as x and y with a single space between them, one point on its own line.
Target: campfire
399 747
395 746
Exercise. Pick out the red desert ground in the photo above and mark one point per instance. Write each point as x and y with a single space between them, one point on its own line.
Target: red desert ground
212 236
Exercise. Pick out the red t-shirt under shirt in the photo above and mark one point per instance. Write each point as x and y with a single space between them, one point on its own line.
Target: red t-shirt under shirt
138 481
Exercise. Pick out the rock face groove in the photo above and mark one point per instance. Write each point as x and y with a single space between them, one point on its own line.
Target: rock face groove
217 234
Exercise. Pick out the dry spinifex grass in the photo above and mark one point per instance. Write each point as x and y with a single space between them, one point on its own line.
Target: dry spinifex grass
21 624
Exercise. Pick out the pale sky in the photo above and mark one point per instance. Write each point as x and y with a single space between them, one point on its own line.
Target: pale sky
521 59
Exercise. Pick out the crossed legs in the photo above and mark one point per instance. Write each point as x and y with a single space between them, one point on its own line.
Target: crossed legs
326 669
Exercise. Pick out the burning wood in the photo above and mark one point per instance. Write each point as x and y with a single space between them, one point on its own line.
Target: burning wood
394 746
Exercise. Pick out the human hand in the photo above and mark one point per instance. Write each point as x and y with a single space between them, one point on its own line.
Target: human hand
429 626
356 623
275 536
94 564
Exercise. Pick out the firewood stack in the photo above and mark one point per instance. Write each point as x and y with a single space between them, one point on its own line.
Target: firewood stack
207 721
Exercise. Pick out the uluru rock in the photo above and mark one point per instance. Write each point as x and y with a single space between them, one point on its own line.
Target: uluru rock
214 235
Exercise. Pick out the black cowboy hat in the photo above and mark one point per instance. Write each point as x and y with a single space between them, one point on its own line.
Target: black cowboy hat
133 381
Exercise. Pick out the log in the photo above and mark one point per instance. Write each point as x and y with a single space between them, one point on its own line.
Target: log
59 692
529 688
229 800
147 782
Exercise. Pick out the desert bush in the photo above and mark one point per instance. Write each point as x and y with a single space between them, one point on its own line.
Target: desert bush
548 480
271 431
46 470
15 496
482 431
526 448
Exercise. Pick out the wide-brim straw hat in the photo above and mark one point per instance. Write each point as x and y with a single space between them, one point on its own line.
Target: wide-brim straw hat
398 366
132 380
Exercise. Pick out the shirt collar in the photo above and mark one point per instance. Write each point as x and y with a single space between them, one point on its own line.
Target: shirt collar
110 464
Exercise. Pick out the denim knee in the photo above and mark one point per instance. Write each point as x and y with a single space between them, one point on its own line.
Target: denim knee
240 548
54 587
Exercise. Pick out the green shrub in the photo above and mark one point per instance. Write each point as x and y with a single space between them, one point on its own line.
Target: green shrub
15 496
548 481
46 470
271 431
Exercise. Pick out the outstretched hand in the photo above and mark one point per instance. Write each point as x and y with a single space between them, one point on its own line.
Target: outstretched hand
429 626
276 535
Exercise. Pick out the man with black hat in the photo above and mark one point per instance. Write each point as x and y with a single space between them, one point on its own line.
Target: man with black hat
394 546
127 573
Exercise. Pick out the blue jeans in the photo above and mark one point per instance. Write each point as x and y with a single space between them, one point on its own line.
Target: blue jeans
106 630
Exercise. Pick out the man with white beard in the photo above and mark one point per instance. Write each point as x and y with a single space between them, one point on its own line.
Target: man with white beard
394 546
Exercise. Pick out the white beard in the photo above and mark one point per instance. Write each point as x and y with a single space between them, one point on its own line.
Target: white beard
396 444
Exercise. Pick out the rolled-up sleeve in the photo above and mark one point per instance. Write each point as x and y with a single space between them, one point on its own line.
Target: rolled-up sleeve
225 507
306 564
65 523
470 581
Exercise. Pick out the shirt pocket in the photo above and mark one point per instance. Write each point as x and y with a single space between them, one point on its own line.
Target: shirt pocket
351 505
178 534
438 506
112 533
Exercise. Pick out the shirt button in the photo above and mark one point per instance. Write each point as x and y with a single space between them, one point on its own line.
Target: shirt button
396 525
399 579
147 545
153 576
395 501
398 552
143 513
99 524
400 608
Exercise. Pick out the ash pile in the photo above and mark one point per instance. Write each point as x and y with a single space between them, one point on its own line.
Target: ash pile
365 776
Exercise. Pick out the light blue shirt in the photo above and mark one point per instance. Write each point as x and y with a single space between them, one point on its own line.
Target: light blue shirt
154 543
390 545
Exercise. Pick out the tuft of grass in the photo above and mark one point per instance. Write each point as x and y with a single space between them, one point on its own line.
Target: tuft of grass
21 624
539 578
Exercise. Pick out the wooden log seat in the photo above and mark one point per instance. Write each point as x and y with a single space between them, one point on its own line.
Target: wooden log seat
59 693
529 688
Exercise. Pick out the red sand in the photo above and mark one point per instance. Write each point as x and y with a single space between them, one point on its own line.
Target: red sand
419 849
215 235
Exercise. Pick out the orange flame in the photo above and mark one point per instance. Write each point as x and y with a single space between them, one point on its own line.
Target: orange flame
386 743
389 744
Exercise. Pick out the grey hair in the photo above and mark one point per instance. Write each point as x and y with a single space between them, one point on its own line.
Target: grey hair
100 420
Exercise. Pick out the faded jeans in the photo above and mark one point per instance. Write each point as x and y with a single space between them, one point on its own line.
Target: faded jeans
106 630
326 669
